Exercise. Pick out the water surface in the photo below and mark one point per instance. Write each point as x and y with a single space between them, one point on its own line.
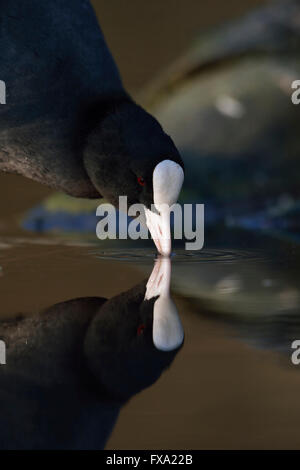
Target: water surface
232 384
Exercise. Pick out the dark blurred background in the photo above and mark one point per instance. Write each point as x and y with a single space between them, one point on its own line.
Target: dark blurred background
144 37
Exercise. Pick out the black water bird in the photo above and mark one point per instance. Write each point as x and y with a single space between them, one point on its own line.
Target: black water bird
68 122
70 368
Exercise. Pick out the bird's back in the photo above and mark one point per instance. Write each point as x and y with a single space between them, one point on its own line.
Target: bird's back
55 63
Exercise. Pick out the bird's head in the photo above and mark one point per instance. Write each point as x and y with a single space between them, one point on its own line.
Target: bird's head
128 154
135 335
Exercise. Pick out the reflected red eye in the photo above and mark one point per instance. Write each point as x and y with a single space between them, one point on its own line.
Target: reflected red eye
141 181
140 329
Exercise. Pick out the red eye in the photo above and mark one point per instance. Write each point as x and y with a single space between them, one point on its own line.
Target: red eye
140 329
141 181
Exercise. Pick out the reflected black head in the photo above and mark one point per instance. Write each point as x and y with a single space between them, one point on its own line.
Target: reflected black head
119 345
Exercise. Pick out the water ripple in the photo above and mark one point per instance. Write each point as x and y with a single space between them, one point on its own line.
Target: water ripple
182 256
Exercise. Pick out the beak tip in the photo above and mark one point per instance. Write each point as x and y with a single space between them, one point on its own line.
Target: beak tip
165 253
159 227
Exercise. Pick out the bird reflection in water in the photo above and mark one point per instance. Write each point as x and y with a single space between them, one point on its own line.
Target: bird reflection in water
71 368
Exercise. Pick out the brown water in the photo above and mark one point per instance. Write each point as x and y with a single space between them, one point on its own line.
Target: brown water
232 385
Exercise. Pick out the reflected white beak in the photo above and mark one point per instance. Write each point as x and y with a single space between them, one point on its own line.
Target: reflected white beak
167 331
168 178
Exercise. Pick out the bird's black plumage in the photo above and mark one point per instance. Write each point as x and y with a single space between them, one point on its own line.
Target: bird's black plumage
67 121
70 369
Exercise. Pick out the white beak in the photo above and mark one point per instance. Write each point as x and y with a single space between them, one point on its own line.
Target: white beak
159 226
168 177
167 328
